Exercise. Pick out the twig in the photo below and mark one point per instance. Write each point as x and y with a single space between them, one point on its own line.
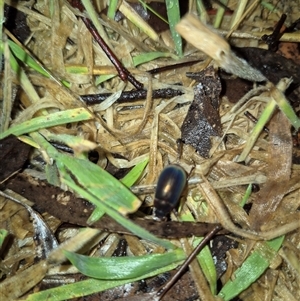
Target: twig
127 96
189 259
273 39
122 71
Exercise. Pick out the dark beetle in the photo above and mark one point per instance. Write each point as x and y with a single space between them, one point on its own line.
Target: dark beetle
170 186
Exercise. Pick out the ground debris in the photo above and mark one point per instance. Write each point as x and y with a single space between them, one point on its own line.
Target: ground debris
202 120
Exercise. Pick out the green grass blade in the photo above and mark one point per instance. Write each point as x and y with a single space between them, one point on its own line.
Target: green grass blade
246 196
220 14
3 234
118 268
54 119
204 257
103 78
286 108
207 264
264 118
137 20
112 8
137 60
252 268
94 18
269 6
279 99
91 176
173 13
134 173
88 287
101 184
22 77
122 220
95 216
203 16
150 56
24 57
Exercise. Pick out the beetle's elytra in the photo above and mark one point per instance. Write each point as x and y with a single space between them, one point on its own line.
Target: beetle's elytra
170 186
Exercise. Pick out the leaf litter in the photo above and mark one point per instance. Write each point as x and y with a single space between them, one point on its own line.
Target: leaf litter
126 133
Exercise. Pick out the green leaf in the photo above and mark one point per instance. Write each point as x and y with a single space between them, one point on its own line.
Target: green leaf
101 184
220 14
286 108
263 119
137 60
54 119
126 223
207 265
150 56
3 234
103 78
26 58
173 13
112 8
22 77
246 196
74 171
87 287
123 267
92 14
95 216
204 257
134 173
252 268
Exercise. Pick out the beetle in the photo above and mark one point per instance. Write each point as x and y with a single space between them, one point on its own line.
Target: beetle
171 183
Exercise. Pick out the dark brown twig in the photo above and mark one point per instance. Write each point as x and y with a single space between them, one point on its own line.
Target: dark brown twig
254 120
222 5
189 259
173 66
122 71
127 96
273 39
